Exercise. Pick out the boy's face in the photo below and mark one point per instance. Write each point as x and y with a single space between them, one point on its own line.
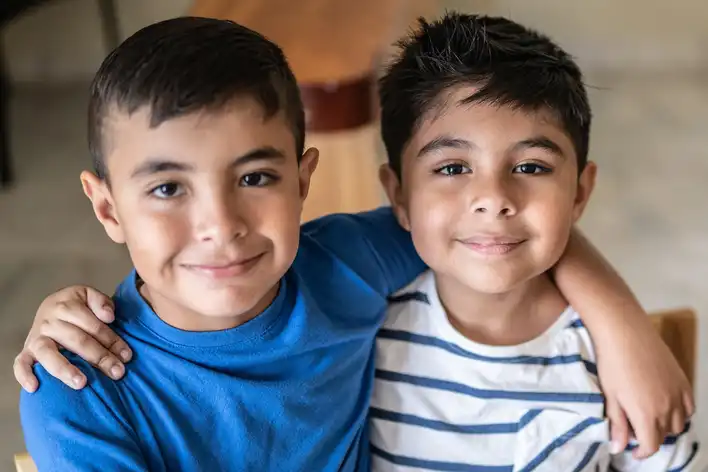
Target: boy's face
209 207
489 193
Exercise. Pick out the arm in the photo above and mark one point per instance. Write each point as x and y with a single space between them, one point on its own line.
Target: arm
677 453
371 243
639 375
69 430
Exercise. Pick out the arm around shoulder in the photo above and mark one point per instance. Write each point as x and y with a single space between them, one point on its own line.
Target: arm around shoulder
373 244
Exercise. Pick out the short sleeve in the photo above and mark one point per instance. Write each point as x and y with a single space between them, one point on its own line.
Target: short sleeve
373 244
66 429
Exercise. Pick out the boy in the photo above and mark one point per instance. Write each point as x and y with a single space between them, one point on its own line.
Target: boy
481 363
252 338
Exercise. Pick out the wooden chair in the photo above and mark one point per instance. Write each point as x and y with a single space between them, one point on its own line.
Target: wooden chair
24 463
678 329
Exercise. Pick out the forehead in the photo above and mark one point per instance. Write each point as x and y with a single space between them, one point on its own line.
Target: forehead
231 130
488 125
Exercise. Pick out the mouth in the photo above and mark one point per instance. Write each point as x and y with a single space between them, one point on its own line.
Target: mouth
225 269
493 245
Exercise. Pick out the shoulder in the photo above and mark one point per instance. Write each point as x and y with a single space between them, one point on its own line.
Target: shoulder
411 306
343 233
337 223
67 429
572 330
422 288
56 400
349 243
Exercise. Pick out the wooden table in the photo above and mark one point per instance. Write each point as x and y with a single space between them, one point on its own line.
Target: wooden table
325 40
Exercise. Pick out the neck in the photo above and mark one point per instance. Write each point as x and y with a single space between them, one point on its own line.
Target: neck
184 318
508 318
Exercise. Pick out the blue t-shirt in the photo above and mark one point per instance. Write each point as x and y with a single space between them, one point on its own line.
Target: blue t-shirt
288 390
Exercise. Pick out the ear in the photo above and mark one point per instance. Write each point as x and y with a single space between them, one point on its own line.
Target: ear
97 191
307 166
392 185
586 184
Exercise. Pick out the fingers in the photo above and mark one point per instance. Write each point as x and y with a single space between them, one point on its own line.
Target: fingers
678 422
619 427
82 318
84 345
650 436
47 354
688 403
22 368
100 304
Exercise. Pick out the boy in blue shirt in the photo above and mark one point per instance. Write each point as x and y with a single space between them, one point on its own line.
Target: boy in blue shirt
251 337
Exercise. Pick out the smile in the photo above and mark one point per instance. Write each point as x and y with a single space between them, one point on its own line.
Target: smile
493 246
225 270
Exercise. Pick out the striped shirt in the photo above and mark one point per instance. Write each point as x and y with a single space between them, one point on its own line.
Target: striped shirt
443 402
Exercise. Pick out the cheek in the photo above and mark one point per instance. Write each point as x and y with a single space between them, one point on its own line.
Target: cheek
551 215
277 218
433 214
155 237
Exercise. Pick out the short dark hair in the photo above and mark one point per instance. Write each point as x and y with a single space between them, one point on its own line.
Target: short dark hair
186 64
513 66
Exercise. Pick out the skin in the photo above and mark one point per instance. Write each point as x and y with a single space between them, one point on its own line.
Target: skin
642 381
208 205
490 195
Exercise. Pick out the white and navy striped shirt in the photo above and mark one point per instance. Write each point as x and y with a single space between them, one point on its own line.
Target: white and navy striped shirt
443 402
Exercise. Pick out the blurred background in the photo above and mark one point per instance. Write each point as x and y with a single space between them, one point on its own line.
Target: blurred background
647 66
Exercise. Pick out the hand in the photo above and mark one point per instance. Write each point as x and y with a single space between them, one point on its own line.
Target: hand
644 384
641 380
75 319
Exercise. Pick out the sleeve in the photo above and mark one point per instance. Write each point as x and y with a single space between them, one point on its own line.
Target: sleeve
371 243
81 430
678 453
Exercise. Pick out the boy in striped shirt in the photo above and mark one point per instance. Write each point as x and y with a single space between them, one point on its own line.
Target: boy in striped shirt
481 364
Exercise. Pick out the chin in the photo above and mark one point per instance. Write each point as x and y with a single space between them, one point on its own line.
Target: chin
224 303
493 283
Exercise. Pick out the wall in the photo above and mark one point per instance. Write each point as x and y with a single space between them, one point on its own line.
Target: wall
62 41
612 33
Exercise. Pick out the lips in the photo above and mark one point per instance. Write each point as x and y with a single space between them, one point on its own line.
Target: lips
225 269
493 245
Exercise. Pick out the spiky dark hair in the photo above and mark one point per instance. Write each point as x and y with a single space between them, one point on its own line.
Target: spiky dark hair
512 65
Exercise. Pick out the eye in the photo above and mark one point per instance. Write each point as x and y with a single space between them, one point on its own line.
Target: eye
257 179
453 169
531 168
167 190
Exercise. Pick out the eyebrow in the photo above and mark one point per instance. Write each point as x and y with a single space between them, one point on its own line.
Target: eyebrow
443 142
448 142
540 142
159 164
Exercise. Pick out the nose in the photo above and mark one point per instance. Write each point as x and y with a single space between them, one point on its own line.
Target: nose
219 219
492 197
